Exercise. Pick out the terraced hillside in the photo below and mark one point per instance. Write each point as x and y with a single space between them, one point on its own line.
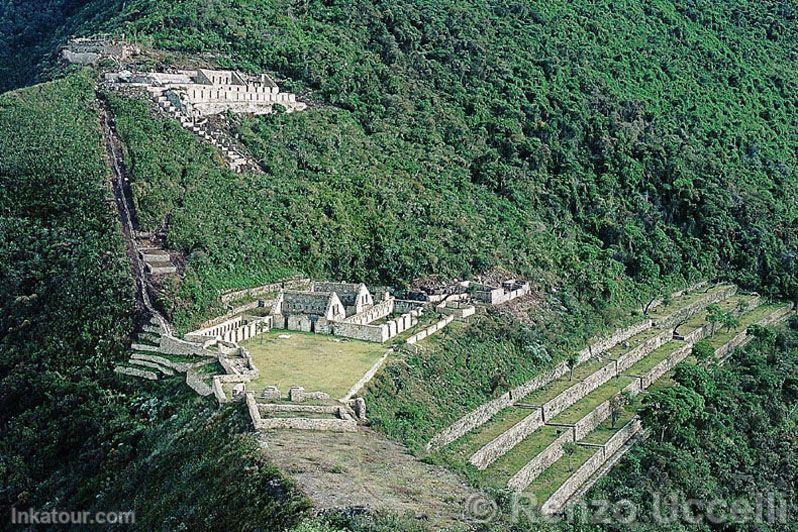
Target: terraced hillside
559 438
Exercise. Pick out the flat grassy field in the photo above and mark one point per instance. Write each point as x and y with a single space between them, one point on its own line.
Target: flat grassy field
314 361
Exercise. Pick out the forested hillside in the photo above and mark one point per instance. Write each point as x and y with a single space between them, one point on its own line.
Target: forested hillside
656 141
73 435
608 151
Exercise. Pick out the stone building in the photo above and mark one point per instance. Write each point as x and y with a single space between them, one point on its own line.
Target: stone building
342 309
89 50
208 92
307 310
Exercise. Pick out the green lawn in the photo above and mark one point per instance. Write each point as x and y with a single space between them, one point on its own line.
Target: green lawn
314 361
542 395
589 402
552 478
655 357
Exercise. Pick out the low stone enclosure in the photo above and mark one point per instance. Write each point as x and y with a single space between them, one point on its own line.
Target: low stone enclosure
515 440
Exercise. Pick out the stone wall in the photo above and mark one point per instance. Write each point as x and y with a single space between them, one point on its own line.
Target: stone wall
485 412
631 357
298 394
622 436
177 366
507 440
197 384
366 378
373 313
134 372
569 487
403 306
308 409
498 296
298 322
741 338
606 343
541 462
457 309
679 293
666 365
304 423
293 284
588 423
579 390
368 333
175 346
432 329
235 329
560 497
673 319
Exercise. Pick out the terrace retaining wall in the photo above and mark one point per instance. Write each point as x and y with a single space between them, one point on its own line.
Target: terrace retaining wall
486 411
631 357
672 319
540 463
507 440
558 499
568 397
665 366
569 487
432 329
743 338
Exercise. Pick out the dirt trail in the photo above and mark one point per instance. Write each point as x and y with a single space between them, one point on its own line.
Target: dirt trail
127 214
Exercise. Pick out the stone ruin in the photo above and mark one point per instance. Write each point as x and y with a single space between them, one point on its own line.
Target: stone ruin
204 92
344 309
90 50
191 96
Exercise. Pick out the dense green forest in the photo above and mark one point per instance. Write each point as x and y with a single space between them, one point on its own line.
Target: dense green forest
606 150
73 434
652 142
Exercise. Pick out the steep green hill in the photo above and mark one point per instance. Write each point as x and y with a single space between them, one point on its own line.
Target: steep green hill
74 435
606 150
651 140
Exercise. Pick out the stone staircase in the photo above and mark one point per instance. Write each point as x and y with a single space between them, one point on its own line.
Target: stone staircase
155 258
191 119
155 357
